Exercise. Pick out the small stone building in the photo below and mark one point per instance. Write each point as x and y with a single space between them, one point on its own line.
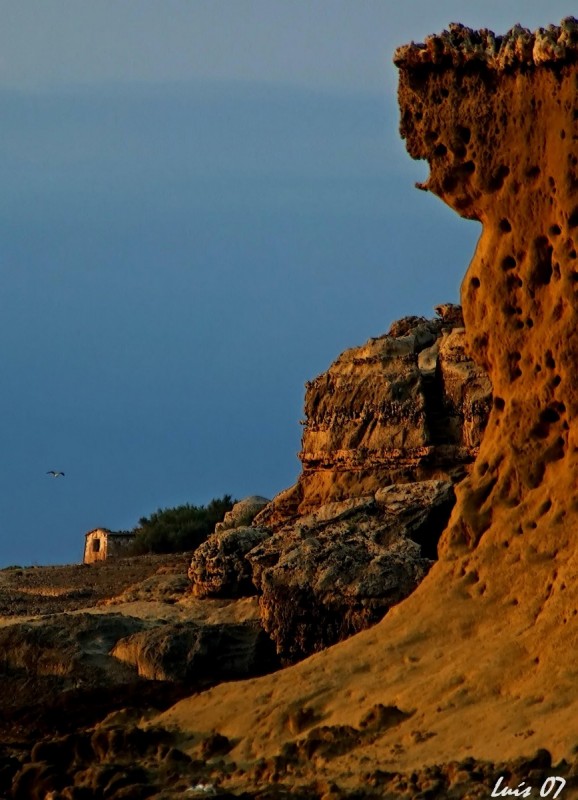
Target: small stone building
100 544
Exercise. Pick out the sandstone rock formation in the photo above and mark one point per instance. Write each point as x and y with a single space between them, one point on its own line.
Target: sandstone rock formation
479 661
407 406
340 569
242 514
218 566
498 127
193 651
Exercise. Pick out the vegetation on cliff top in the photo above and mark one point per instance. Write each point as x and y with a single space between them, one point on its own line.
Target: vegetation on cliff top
174 530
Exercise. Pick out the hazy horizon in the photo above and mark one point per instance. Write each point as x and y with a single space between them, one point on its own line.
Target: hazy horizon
203 205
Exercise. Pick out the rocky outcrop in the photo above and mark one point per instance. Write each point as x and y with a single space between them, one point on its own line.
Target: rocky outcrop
496 119
462 49
242 514
195 651
407 406
340 569
72 647
480 658
389 428
219 568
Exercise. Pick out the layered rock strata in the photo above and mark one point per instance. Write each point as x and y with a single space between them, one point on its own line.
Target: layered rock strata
407 406
360 530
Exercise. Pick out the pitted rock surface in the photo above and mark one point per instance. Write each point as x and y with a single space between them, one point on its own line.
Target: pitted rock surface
219 567
500 140
341 568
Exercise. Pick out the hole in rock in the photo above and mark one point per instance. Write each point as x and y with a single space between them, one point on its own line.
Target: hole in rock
499 403
562 134
555 230
440 150
572 254
518 325
530 322
475 282
505 226
497 180
541 271
464 133
550 363
573 218
449 183
549 415
427 536
508 262
540 430
556 380
545 507
533 172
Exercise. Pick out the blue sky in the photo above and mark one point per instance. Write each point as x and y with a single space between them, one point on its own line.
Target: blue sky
203 203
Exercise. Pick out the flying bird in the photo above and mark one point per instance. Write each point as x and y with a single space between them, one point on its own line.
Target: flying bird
55 473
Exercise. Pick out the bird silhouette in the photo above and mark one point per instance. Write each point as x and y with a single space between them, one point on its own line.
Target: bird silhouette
55 473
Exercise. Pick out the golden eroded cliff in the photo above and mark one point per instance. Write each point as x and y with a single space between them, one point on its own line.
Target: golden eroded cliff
480 660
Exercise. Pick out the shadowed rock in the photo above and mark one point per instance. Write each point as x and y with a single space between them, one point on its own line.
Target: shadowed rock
341 568
192 651
219 568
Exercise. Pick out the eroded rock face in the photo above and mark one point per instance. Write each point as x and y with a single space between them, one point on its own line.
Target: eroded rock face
243 513
340 569
192 651
407 406
219 567
389 428
497 120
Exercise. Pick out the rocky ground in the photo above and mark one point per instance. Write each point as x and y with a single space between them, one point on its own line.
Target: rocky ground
134 680
28 591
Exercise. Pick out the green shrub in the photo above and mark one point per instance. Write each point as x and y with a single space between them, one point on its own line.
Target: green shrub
175 530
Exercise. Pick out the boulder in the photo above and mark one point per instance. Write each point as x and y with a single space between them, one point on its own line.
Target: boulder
242 513
196 652
219 567
340 569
